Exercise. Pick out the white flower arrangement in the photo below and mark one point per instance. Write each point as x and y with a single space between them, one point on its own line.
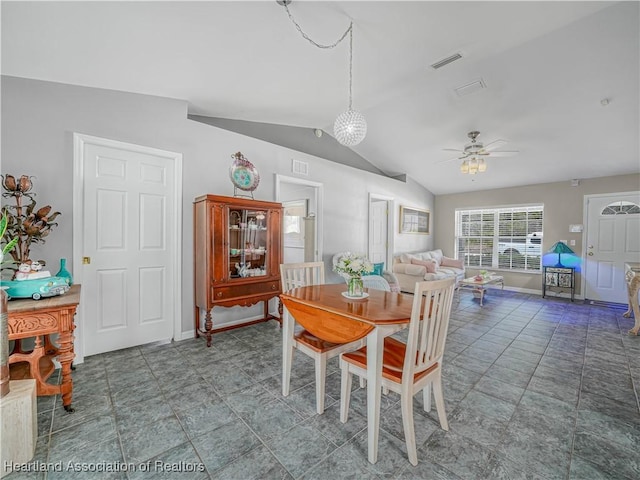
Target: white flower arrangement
354 265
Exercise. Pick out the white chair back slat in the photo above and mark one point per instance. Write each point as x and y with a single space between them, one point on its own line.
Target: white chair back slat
294 275
428 326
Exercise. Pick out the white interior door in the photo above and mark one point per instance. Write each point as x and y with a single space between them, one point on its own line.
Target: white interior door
129 244
380 247
612 238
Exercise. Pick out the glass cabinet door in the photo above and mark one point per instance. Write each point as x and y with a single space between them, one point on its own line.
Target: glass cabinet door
248 242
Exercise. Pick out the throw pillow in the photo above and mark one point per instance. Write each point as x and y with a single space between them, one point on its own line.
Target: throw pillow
437 255
406 258
451 262
429 264
378 268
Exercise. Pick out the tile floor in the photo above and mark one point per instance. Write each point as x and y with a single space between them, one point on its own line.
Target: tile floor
535 388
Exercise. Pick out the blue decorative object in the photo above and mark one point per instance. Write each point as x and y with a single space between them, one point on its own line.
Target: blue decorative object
37 288
63 272
378 268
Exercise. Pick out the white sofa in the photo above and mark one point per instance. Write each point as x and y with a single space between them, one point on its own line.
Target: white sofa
410 268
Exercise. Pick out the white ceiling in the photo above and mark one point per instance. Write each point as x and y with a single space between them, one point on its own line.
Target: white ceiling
547 66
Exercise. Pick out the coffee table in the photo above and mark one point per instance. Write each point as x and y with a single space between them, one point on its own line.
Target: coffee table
480 286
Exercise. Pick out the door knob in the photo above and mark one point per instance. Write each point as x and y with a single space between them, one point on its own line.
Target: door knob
86 260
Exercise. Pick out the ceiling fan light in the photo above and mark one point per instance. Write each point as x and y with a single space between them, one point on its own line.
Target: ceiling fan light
464 168
473 166
350 128
482 165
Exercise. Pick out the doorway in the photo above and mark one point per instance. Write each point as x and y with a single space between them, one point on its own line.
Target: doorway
380 247
612 237
302 199
126 242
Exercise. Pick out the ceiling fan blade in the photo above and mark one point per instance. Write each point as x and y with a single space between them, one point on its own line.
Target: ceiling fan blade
495 144
454 158
503 153
452 150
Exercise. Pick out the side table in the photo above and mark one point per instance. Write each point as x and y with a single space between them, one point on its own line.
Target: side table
39 319
632 278
480 286
560 277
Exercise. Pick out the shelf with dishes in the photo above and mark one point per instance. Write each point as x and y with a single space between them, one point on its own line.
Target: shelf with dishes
247 251
250 227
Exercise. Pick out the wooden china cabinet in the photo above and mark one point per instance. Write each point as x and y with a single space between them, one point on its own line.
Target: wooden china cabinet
237 255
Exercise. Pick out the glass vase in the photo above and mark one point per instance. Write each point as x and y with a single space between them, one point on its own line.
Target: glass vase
355 287
63 272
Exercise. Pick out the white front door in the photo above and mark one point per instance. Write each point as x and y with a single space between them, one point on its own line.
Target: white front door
612 238
128 251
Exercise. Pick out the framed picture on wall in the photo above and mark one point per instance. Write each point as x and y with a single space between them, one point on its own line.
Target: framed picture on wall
414 220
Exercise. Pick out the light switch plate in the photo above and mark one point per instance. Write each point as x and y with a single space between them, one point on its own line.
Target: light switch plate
575 228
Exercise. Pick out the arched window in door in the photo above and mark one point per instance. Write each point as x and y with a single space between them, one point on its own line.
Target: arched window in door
621 208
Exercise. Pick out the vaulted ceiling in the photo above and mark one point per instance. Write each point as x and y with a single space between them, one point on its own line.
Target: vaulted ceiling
560 78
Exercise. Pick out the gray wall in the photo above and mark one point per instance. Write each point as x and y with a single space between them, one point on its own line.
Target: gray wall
563 205
38 122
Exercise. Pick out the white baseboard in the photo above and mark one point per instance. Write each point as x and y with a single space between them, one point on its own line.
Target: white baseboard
185 335
532 291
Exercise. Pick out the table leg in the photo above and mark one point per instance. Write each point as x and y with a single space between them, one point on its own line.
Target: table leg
288 326
66 355
375 343
481 295
633 286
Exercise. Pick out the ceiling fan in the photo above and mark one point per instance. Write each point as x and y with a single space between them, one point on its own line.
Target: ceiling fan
474 151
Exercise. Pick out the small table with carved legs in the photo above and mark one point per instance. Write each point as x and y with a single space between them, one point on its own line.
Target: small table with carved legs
40 319
632 278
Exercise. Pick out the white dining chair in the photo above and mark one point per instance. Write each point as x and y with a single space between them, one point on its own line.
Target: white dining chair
410 367
295 275
376 282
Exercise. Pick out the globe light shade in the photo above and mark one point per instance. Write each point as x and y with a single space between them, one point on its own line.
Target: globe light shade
482 165
473 166
464 168
350 128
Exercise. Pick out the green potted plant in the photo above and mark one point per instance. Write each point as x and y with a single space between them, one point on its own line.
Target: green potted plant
4 319
26 225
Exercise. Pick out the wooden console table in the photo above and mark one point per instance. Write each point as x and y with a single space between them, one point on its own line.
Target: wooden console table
632 277
40 319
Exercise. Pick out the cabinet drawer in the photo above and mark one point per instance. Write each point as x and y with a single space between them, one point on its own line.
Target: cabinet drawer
247 289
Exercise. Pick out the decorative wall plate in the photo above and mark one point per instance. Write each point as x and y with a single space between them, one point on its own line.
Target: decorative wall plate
243 174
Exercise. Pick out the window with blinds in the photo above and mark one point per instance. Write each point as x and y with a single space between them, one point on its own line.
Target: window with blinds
507 238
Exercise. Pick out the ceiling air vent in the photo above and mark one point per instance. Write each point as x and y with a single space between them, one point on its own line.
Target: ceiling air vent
301 168
470 88
446 61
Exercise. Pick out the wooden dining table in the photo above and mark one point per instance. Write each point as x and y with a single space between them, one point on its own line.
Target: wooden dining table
327 314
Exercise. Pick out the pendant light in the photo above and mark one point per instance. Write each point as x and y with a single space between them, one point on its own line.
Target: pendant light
350 126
